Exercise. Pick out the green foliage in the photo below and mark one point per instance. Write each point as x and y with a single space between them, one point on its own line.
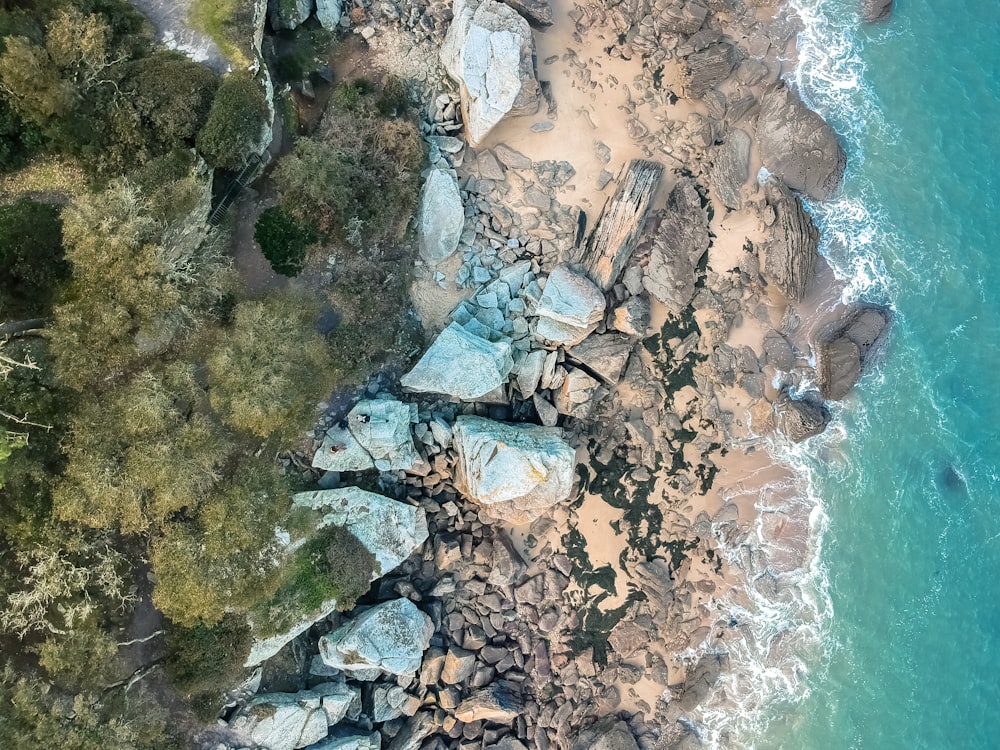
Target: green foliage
204 661
271 367
283 240
31 257
18 140
235 121
229 23
331 565
82 658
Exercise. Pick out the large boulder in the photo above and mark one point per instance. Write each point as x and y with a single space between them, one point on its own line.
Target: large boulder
678 246
706 68
282 721
731 168
793 246
569 309
801 418
288 14
376 434
441 219
328 13
875 10
461 364
500 703
389 638
390 530
537 12
844 346
490 52
515 472
605 355
350 739
798 145
610 733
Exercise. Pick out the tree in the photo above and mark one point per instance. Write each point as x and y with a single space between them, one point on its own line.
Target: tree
32 264
235 122
270 367
283 240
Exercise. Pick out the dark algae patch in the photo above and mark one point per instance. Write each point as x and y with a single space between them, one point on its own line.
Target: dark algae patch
596 625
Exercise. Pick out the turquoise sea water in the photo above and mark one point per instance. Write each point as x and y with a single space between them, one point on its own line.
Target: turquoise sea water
909 477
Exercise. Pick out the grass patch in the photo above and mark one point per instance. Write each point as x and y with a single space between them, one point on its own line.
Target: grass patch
230 24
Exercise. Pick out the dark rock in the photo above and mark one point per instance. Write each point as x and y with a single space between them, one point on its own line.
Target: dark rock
678 245
536 12
508 565
778 351
416 729
793 249
603 354
843 348
797 145
802 418
459 665
875 10
731 167
500 703
609 733
702 70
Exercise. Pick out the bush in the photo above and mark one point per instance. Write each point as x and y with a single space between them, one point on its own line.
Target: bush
32 264
205 661
82 658
283 240
235 122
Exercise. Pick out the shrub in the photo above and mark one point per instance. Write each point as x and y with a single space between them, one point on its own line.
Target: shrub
205 661
283 240
31 257
82 658
235 122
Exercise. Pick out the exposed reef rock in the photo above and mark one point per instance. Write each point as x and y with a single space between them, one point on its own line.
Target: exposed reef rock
678 246
843 347
793 249
797 145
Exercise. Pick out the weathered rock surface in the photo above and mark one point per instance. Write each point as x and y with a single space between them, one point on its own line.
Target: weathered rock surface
441 219
603 354
538 12
514 471
388 529
350 740
731 168
390 638
678 246
802 418
702 70
632 316
843 347
578 393
377 435
793 248
288 14
461 364
797 145
499 703
614 238
282 721
569 309
609 733
489 51
875 10
328 13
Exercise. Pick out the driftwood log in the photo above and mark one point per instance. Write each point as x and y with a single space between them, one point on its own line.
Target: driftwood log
617 231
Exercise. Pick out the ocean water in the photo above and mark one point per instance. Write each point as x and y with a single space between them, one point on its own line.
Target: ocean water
905 487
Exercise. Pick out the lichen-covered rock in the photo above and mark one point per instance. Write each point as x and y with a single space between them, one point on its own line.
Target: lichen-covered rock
731 168
389 638
461 364
515 472
376 435
798 145
792 250
489 51
441 218
282 721
288 14
678 246
569 309
328 13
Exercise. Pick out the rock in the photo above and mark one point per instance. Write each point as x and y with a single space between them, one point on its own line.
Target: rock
339 700
548 415
627 637
282 721
514 471
797 145
460 364
350 739
530 372
844 346
441 219
632 316
610 733
328 13
512 158
793 247
377 436
802 418
569 309
416 729
459 665
731 168
489 51
702 70
508 566
489 167
389 637
537 12
388 529
678 246
603 354
577 394
499 703
288 14
778 351
875 10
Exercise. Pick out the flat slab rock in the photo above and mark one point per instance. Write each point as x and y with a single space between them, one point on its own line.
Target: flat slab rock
514 471
376 436
389 638
282 721
603 354
569 309
460 364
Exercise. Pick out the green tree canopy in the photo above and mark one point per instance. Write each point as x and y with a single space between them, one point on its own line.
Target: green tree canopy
32 263
235 122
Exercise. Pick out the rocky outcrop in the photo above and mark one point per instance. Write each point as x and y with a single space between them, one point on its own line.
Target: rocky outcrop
288 14
614 238
570 308
705 69
461 364
793 248
328 13
515 472
731 168
678 246
388 529
843 348
375 435
538 12
489 51
282 721
800 419
608 734
875 10
797 145
441 219
389 638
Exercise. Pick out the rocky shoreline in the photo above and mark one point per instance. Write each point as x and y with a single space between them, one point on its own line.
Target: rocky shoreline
619 303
